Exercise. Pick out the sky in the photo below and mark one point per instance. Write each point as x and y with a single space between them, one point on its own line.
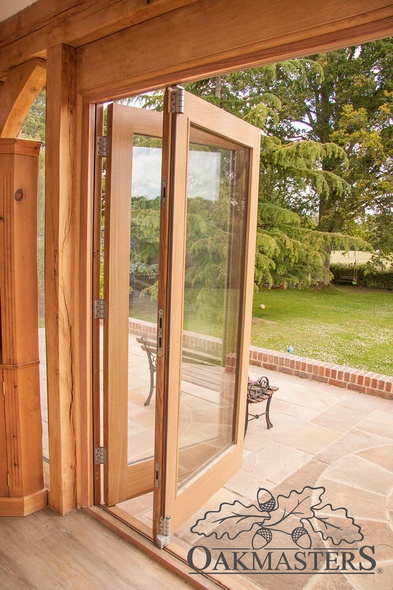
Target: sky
203 173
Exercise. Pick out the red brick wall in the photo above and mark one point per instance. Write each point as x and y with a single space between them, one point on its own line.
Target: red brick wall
356 379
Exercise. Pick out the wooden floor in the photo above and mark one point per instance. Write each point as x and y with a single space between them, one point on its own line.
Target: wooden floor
45 551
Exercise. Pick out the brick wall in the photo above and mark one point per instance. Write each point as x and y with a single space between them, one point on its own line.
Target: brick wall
347 377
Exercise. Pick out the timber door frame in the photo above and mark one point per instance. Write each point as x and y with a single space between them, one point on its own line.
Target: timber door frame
85 64
121 481
176 503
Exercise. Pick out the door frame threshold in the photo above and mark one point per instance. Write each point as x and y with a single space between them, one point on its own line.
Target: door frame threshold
173 560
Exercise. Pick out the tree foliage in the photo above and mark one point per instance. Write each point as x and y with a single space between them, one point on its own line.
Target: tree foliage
326 148
291 251
326 175
345 99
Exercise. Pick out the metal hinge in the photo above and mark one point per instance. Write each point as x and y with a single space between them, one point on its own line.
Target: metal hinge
159 335
100 456
102 146
164 536
163 192
100 309
177 100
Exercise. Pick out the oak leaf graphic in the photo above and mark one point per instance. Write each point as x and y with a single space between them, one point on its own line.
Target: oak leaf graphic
230 520
335 524
286 515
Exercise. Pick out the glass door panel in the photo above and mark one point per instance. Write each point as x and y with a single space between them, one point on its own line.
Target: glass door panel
213 196
144 252
174 433
217 189
131 248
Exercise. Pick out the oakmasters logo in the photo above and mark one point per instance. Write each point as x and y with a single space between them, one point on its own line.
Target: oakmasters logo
293 534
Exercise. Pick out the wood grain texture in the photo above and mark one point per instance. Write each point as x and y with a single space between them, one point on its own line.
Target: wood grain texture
48 23
166 558
24 505
3 445
20 414
207 37
18 272
116 294
181 502
62 276
258 29
18 93
124 122
97 126
45 551
23 430
82 360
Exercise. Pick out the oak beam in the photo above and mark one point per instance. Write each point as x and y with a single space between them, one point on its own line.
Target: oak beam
209 37
61 284
73 22
18 93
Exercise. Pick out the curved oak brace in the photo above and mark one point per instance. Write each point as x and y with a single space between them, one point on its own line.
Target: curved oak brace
18 93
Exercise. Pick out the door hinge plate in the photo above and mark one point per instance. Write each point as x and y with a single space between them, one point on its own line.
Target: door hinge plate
177 100
100 456
100 309
163 192
102 148
159 333
164 537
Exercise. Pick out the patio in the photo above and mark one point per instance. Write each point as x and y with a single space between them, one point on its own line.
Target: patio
322 436
330 437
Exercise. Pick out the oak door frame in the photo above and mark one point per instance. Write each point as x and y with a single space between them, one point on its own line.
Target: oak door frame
71 415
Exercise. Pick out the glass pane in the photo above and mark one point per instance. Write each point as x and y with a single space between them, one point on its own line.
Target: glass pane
144 249
216 216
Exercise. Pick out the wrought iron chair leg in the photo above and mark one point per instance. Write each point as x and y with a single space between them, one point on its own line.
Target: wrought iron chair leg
268 423
246 426
147 402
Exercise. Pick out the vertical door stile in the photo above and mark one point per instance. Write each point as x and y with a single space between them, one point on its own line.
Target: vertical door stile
97 261
170 301
116 290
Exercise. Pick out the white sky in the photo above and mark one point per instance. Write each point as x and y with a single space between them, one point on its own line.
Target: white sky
203 175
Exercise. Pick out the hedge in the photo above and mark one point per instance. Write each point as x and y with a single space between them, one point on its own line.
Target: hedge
362 276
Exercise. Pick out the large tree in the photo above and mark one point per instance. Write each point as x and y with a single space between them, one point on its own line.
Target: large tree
327 148
345 98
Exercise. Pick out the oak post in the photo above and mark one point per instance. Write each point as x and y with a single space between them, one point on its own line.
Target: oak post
61 284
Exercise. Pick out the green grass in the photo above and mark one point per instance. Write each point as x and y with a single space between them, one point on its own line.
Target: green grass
349 326
345 325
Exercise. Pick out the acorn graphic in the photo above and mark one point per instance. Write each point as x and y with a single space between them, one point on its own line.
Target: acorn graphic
301 537
261 538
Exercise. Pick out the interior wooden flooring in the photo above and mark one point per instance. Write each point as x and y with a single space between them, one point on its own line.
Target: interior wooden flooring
46 551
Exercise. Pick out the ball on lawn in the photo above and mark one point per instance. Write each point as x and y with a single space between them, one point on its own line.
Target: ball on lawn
261 306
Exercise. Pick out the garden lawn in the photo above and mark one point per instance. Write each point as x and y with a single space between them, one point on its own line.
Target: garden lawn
349 326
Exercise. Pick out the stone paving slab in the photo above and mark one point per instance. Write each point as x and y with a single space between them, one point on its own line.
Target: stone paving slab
334 439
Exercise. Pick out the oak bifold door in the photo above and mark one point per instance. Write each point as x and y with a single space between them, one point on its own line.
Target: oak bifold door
180 204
